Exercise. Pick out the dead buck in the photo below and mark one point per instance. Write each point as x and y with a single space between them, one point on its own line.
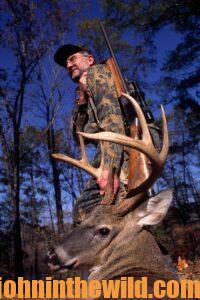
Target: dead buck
113 241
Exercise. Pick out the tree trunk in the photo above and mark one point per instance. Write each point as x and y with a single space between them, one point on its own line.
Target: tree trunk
18 252
56 179
57 190
35 226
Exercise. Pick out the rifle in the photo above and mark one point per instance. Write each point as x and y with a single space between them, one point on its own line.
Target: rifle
139 167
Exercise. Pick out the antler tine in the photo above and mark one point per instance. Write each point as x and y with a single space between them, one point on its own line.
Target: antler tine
83 152
145 130
164 151
83 162
102 156
109 193
127 204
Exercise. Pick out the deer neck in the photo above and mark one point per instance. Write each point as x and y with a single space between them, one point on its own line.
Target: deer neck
132 254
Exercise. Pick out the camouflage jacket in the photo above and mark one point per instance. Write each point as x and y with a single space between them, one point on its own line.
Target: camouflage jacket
101 112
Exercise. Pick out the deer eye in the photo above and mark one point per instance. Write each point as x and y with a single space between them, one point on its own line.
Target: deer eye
104 231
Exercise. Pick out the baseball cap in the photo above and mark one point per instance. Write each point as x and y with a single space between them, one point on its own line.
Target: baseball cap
65 51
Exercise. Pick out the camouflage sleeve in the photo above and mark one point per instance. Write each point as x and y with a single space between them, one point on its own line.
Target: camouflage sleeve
102 89
78 120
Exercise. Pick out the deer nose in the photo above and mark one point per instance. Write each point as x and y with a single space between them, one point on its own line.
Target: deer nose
51 257
52 260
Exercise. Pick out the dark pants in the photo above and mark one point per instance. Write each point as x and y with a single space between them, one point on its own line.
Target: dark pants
89 198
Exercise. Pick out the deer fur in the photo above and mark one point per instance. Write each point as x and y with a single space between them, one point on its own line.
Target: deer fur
108 246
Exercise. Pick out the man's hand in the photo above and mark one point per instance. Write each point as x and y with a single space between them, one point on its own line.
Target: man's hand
82 90
82 79
103 182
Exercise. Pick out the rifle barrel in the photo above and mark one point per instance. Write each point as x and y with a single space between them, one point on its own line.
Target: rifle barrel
113 56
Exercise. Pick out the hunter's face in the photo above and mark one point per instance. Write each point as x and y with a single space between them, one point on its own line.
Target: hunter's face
78 63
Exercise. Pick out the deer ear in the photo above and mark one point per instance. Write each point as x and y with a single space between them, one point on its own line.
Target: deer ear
156 209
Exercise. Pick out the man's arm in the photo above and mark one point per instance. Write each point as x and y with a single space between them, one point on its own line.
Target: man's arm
79 116
102 89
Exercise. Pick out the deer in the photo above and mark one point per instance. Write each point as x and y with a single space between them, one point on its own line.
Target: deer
113 240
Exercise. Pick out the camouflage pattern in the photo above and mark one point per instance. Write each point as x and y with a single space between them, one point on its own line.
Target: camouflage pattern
101 112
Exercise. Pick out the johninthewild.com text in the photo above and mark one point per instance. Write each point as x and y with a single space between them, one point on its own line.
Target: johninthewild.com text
77 288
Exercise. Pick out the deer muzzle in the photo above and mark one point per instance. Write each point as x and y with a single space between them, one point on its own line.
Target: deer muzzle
55 262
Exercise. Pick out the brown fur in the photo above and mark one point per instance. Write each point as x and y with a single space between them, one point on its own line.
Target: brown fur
127 250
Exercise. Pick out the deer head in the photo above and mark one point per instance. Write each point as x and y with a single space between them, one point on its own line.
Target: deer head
109 245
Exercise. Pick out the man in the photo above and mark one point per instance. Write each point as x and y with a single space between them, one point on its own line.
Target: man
97 109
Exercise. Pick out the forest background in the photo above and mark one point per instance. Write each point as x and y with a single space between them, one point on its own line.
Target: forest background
156 43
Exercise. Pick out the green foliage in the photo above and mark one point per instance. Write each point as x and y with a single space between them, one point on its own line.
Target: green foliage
132 58
149 17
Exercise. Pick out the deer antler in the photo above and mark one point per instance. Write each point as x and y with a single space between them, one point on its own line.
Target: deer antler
145 145
83 162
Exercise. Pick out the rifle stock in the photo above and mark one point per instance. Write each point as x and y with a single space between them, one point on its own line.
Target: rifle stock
116 76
